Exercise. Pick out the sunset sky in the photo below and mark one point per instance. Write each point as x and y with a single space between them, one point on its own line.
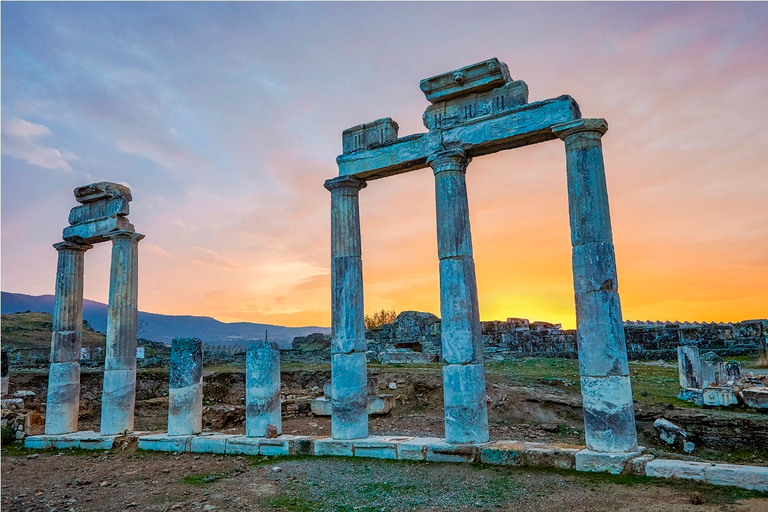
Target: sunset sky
226 118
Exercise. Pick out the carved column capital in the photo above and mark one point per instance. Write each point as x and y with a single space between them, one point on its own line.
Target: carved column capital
72 246
345 182
449 160
130 236
594 127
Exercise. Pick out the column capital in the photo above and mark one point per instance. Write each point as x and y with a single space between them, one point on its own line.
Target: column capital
449 160
345 182
125 235
564 130
72 246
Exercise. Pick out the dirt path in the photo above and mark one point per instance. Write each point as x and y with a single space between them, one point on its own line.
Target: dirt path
160 481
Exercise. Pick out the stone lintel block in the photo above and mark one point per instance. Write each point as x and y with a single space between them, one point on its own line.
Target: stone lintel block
349 392
474 78
96 231
602 349
65 346
165 443
503 453
447 114
464 396
609 416
334 447
212 443
600 462
98 210
102 190
461 332
369 135
594 267
550 455
378 447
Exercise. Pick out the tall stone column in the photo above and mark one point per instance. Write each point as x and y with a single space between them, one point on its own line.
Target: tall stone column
349 382
262 389
609 416
466 414
63 400
119 393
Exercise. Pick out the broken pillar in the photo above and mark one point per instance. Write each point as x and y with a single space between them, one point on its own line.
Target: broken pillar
63 401
119 392
4 381
348 360
262 389
609 418
689 366
185 390
466 414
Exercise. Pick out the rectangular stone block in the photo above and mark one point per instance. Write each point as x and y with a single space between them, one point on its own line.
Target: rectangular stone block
416 448
503 453
378 447
97 442
550 455
755 397
689 366
442 451
96 231
334 447
368 135
98 210
286 444
597 462
210 443
677 469
718 396
448 114
478 77
746 477
165 443
242 445
101 191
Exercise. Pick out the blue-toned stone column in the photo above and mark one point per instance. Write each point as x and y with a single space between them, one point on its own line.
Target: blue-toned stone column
609 418
262 389
119 392
63 402
185 389
466 413
349 382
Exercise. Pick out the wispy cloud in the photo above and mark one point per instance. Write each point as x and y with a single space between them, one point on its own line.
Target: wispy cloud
211 257
21 140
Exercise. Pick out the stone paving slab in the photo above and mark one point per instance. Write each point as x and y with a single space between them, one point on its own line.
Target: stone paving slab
747 477
378 447
597 462
165 443
86 440
213 443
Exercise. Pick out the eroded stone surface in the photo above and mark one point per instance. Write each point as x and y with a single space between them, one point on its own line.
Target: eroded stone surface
185 390
262 389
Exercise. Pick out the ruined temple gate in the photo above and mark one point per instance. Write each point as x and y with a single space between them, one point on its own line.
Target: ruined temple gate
102 216
474 111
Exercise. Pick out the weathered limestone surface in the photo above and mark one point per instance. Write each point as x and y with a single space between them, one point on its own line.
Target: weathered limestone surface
262 389
601 462
466 415
747 477
348 360
4 367
86 440
689 366
605 383
119 393
63 400
102 191
185 391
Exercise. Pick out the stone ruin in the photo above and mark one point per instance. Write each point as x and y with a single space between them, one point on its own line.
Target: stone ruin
101 216
475 111
708 380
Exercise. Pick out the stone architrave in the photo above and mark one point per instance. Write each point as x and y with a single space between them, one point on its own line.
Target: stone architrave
349 419
185 389
119 391
63 401
262 389
609 415
478 110
466 414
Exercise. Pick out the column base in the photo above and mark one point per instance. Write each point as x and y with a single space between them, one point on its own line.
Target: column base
599 462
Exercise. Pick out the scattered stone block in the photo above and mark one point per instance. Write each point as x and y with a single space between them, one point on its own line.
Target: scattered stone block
746 477
668 431
165 443
587 460
664 468
718 396
694 395
334 447
755 397
503 453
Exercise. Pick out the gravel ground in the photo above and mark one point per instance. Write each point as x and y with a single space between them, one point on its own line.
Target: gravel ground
81 481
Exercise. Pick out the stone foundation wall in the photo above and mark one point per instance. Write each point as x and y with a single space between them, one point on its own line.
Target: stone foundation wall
518 337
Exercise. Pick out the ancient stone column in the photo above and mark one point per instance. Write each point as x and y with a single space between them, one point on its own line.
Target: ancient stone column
466 414
185 389
349 418
689 366
119 392
609 416
4 381
63 400
262 389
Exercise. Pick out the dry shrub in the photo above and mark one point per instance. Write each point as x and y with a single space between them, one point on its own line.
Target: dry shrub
379 318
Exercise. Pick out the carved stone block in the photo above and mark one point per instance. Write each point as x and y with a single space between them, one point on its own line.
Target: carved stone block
478 77
367 135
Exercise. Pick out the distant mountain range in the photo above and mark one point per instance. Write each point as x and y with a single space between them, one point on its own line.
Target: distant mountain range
164 328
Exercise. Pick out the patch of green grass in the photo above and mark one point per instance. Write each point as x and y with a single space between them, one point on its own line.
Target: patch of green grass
202 479
293 503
